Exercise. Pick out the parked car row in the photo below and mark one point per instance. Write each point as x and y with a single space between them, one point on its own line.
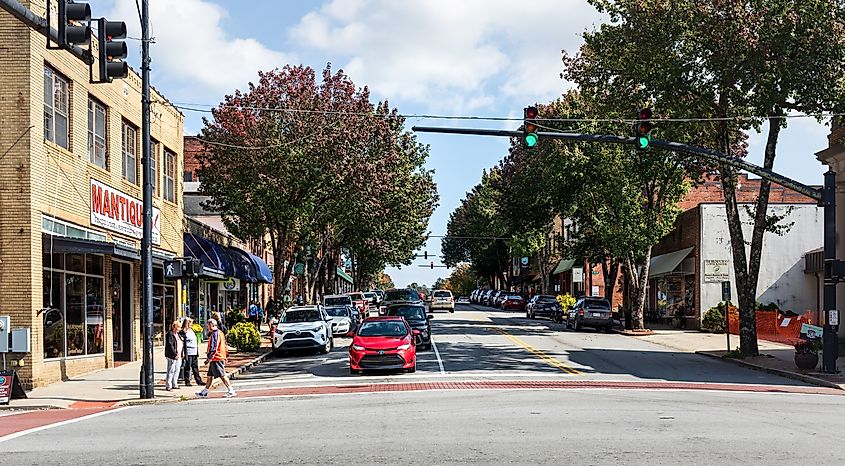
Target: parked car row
502 299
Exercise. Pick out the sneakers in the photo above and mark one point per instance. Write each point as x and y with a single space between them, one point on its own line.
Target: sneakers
231 393
203 393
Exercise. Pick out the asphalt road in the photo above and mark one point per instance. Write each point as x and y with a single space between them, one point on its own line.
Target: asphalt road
459 423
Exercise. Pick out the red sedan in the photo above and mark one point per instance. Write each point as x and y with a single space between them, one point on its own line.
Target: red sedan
513 303
383 343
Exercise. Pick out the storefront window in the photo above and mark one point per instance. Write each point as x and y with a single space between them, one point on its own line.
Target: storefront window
54 317
74 315
164 305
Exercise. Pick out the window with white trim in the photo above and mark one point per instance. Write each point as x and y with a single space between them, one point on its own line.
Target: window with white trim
169 176
97 134
56 105
130 153
154 149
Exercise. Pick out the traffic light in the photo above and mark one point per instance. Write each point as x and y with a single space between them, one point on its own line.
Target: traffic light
432 266
112 51
642 127
71 31
529 126
425 255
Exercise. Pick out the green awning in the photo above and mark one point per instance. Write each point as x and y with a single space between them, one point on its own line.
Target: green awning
563 266
342 274
667 263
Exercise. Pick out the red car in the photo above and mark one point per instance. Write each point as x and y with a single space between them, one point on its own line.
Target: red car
383 343
360 302
513 303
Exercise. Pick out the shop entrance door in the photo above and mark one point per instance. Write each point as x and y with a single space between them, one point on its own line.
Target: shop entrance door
121 316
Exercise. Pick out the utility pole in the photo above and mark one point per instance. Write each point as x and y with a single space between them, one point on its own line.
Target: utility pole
147 371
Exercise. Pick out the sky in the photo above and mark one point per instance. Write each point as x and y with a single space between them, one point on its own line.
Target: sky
444 57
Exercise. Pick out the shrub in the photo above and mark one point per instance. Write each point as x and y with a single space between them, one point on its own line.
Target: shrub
244 337
566 301
804 346
714 319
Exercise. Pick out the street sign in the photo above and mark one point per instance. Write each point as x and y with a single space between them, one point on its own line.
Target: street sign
716 270
173 269
811 332
524 261
726 291
10 387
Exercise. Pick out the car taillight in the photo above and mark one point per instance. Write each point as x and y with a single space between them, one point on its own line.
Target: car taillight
580 312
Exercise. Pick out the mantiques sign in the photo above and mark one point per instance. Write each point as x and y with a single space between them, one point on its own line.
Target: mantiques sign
115 210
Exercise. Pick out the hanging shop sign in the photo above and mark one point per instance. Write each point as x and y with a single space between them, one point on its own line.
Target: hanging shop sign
577 275
119 212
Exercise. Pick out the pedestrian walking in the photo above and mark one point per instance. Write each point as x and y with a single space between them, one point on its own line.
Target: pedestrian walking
252 313
260 319
216 356
174 350
190 365
221 324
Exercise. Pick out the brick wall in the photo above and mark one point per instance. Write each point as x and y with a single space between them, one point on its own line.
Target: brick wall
192 148
39 178
710 191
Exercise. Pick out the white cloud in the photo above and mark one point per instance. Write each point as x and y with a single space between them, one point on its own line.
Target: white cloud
438 52
194 52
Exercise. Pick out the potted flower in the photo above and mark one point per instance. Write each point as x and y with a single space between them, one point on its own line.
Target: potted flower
197 328
807 353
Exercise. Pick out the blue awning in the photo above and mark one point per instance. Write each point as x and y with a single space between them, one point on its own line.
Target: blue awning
214 259
264 273
244 265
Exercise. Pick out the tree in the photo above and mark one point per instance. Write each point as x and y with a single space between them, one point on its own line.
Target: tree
742 63
440 284
306 178
384 282
462 281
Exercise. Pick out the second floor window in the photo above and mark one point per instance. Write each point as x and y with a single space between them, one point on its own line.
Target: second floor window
154 165
169 184
56 108
97 134
130 153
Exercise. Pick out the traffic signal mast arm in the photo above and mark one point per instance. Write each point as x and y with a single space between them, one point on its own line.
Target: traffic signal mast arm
708 154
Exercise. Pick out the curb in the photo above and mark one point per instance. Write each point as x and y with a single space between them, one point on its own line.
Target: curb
786 374
232 374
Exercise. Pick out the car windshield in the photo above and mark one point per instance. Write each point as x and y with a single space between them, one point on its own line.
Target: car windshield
338 301
356 296
597 304
546 299
338 312
369 295
442 294
383 329
514 298
401 295
408 312
307 315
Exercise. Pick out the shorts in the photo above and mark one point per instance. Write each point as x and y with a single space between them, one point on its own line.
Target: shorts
216 369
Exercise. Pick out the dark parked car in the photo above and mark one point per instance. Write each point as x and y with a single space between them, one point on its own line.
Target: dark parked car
487 300
416 317
541 305
500 298
399 296
590 312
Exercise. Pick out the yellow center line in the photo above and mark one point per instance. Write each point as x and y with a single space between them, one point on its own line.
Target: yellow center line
539 353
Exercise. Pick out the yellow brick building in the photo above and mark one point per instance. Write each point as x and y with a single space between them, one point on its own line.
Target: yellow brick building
70 191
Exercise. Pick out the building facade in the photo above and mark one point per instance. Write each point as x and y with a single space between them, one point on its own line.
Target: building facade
70 208
689 265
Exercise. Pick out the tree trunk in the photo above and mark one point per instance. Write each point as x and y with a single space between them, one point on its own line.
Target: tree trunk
610 269
638 321
633 296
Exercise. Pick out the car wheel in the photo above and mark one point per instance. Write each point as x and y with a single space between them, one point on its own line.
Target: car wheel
577 325
452 311
328 347
353 371
412 369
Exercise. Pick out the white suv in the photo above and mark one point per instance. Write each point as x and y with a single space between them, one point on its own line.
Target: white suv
303 327
442 299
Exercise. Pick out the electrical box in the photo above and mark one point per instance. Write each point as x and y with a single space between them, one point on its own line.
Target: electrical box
4 334
20 340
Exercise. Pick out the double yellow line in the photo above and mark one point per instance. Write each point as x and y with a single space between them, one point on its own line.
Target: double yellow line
539 353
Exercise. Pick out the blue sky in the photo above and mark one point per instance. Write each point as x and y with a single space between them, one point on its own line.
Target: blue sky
446 57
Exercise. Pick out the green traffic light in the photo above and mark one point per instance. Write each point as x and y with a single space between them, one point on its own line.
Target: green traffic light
643 141
531 139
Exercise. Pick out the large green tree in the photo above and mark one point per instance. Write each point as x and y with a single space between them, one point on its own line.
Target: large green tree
742 63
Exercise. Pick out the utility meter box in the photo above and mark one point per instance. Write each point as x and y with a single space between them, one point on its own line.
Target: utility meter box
4 334
20 340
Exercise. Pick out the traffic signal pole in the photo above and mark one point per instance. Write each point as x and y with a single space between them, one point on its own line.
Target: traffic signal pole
148 387
834 270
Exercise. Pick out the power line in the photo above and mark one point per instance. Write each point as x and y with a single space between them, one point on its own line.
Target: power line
192 107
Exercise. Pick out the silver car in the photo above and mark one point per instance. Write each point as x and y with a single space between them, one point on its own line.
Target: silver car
590 312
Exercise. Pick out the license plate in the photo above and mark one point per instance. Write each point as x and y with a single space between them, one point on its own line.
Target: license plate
597 314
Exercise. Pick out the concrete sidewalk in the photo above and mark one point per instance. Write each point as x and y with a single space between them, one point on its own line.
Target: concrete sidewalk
120 385
775 358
